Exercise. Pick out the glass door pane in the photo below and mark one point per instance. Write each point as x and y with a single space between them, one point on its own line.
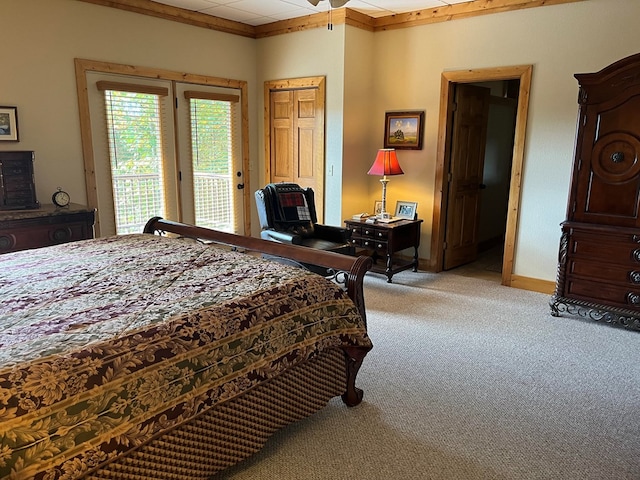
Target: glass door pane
209 139
136 157
212 162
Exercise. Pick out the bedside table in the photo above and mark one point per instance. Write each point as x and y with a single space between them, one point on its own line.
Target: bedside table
47 225
384 240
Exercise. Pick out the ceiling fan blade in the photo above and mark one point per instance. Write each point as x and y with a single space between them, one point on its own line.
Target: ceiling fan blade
337 3
314 2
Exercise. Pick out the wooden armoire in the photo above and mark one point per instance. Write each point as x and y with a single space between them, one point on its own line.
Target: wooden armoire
599 260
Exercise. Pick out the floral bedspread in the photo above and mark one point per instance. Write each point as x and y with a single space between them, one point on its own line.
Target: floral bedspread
107 343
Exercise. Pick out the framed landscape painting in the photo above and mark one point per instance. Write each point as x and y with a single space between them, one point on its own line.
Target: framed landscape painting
404 130
9 124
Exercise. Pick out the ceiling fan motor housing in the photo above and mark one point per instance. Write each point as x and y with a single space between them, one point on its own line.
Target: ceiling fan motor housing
334 3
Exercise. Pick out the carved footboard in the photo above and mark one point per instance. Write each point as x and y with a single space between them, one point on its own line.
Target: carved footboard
345 270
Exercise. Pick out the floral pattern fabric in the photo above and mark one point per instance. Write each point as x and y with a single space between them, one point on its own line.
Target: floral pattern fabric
107 343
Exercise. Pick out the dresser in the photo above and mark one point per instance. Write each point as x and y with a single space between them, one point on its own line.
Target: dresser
599 260
47 225
382 241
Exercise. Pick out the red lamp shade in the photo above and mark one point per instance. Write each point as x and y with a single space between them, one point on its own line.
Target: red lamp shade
386 163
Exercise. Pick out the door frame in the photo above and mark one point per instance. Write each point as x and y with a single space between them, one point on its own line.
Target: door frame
447 86
83 65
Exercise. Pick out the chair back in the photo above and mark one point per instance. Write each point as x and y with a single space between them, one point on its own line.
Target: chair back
287 207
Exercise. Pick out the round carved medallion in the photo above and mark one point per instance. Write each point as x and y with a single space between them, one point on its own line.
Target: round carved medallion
615 157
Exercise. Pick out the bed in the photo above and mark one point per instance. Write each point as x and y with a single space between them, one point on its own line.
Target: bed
170 354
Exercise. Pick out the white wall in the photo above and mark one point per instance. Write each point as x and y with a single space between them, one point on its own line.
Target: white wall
44 37
558 41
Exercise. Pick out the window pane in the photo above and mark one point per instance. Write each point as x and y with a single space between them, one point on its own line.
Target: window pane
212 154
135 152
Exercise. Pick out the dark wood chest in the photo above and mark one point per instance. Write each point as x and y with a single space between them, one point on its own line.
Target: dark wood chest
599 260
17 184
48 225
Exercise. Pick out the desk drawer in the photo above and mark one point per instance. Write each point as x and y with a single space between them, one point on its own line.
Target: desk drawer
379 246
356 230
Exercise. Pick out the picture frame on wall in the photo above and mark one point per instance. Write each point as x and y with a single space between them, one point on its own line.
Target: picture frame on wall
9 124
406 210
404 130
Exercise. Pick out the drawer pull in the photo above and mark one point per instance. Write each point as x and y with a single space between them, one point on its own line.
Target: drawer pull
633 298
634 276
635 238
60 235
380 246
366 243
636 254
380 234
367 232
6 242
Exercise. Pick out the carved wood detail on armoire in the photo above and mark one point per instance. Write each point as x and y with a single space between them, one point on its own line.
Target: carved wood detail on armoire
598 274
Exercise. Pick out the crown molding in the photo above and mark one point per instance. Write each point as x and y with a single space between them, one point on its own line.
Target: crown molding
175 14
322 20
458 11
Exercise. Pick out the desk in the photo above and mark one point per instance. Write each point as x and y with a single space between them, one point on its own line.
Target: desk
44 226
384 240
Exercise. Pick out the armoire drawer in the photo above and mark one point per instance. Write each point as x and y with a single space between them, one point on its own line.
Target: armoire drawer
622 249
625 275
598 292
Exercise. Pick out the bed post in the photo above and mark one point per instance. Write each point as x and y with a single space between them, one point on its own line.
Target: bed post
353 360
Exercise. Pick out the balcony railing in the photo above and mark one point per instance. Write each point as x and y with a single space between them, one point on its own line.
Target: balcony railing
139 197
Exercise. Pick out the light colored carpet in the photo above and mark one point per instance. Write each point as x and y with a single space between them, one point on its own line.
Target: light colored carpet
472 380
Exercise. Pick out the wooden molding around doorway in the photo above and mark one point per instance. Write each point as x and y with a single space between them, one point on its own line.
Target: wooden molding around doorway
448 81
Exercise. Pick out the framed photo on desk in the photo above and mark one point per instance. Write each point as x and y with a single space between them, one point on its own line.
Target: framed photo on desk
406 210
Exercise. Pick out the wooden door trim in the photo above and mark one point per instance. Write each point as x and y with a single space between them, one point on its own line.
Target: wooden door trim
448 81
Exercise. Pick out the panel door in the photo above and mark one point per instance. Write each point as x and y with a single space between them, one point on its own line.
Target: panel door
467 161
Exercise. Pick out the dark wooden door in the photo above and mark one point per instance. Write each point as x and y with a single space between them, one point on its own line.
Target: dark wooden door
469 135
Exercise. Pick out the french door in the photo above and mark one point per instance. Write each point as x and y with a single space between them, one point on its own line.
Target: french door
165 148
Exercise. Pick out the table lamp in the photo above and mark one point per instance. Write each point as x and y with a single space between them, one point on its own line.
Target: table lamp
386 163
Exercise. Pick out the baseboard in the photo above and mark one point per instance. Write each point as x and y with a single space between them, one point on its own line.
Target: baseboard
532 284
517 281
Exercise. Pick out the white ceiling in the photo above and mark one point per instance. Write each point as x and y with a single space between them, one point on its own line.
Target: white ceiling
259 12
